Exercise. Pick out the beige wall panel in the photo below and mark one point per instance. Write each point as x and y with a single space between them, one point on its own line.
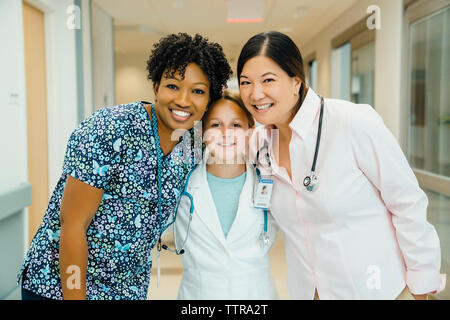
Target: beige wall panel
36 89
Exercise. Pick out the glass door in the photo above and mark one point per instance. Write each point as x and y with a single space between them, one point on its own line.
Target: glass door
363 74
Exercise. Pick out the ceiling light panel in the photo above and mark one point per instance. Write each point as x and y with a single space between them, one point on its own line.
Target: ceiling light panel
244 11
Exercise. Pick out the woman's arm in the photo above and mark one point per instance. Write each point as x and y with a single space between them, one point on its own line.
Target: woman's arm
79 204
382 161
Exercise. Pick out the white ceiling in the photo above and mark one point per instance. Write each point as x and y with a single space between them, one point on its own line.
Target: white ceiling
140 23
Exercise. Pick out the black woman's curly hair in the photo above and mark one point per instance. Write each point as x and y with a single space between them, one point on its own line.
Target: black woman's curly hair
174 52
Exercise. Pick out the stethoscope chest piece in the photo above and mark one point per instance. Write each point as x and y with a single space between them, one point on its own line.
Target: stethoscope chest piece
264 239
311 182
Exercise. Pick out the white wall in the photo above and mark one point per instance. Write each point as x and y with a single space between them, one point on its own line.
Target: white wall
13 124
388 57
61 85
388 65
61 103
131 78
13 147
87 58
103 57
61 88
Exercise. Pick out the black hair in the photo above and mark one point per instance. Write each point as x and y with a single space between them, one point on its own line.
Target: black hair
282 50
174 52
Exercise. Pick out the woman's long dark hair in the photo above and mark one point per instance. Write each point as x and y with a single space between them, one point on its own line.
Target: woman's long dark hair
281 49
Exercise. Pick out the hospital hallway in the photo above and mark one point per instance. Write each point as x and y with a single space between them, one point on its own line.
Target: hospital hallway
62 61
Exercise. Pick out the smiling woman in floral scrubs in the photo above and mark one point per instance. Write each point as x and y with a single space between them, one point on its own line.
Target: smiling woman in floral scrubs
103 219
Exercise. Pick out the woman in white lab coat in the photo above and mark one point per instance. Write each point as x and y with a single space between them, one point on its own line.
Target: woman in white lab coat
350 207
224 253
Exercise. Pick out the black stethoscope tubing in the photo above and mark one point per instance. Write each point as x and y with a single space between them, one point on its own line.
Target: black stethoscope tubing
308 179
319 133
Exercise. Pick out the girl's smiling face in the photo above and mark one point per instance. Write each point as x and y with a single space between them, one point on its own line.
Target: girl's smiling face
226 130
179 102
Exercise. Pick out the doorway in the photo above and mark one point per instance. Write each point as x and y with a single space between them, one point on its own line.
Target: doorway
36 91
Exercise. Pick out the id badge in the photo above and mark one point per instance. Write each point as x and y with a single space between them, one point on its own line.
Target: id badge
263 193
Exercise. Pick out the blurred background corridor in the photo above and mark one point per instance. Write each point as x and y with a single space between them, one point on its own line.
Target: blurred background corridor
61 60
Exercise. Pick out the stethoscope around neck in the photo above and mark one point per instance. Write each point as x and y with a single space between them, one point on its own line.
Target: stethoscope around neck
191 212
162 228
311 181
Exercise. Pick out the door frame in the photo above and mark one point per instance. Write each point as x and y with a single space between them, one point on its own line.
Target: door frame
43 180
48 10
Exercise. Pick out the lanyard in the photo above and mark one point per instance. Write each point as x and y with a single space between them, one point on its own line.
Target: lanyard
159 155
264 237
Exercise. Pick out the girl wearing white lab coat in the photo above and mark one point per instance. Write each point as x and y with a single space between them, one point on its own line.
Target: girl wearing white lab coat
224 256
362 232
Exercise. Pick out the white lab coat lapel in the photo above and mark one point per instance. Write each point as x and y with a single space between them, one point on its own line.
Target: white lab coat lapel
204 206
245 217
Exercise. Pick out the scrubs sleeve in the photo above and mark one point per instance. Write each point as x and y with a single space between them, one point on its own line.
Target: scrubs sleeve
94 149
382 161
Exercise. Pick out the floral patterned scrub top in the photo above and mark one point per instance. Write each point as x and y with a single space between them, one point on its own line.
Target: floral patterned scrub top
113 150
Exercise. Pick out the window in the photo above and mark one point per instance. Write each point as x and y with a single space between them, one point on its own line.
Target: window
429 93
340 72
363 74
427 71
353 64
311 75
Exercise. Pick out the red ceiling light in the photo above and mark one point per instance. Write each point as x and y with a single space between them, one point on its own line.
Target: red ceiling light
244 20
245 11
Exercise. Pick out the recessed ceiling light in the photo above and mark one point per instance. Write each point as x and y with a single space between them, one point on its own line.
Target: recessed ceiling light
244 20
244 11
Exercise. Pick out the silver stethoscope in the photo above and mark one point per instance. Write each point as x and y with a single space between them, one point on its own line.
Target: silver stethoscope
311 181
191 212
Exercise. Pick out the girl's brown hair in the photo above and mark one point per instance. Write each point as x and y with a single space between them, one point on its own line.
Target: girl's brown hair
236 98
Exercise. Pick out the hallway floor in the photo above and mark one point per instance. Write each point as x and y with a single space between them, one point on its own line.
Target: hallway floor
171 266
439 217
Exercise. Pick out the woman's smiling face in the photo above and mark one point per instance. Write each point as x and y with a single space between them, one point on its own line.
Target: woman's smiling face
180 102
268 92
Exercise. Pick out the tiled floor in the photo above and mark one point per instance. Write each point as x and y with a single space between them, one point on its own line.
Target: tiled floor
171 266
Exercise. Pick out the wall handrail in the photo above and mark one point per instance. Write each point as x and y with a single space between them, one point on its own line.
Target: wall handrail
15 200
